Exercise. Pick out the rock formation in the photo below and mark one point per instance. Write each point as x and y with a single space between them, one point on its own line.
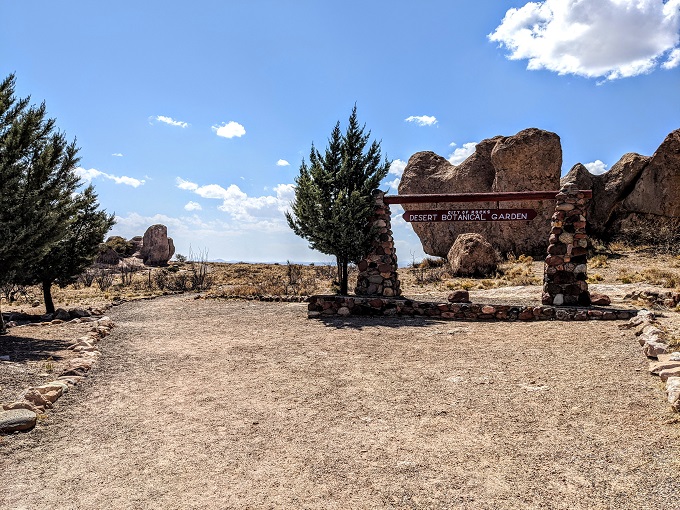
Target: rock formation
107 255
636 189
136 243
157 248
472 255
531 160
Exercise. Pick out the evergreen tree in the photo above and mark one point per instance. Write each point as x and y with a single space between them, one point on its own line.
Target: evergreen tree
38 184
76 250
333 202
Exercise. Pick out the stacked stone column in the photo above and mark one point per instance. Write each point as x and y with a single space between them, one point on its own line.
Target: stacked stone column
378 270
565 275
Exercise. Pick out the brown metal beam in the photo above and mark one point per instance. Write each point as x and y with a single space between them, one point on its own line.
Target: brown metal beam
451 198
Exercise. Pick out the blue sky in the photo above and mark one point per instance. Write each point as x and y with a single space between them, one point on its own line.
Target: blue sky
187 113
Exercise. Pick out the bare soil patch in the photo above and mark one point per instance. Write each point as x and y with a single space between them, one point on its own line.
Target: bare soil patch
37 354
234 404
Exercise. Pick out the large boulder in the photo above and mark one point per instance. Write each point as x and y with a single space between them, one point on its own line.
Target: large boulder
157 248
609 189
137 243
637 190
107 255
657 192
472 255
530 160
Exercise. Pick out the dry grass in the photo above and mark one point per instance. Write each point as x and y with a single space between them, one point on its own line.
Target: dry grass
655 276
432 276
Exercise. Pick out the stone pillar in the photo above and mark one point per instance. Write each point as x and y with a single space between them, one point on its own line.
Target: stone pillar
565 274
378 270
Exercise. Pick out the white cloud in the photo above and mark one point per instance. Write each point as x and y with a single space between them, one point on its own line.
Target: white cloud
394 184
673 59
230 129
193 206
282 162
170 121
93 173
182 184
597 167
117 154
593 38
397 167
422 120
462 153
266 210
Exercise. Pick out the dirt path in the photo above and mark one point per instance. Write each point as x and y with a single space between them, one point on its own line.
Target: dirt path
208 404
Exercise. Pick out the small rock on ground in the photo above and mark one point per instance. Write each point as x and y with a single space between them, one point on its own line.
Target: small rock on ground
17 419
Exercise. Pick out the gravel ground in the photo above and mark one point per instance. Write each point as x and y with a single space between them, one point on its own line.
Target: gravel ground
232 404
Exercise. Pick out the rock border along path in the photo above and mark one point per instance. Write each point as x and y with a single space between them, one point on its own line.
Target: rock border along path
654 342
22 414
329 305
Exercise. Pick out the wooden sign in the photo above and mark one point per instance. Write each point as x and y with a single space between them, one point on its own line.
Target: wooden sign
470 215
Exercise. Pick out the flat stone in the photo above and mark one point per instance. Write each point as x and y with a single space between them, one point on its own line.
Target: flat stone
600 299
78 313
61 314
671 356
20 405
17 419
673 392
652 348
459 296
657 366
75 379
669 372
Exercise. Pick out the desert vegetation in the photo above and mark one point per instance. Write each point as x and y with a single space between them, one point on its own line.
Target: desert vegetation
432 276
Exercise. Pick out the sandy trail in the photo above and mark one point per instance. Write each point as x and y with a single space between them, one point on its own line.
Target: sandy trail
214 404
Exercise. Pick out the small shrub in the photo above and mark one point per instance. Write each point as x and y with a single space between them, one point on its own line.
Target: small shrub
242 290
598 261
13 292
48 365
179 282
104 278
274 287
160 279
87 277
294 275
127 272
432 262
666 279
199 271
595 277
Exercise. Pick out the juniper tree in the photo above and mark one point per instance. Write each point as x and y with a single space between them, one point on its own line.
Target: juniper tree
66 259
333 196
38 185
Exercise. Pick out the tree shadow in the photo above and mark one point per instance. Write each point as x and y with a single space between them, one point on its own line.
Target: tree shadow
359 322
21 349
